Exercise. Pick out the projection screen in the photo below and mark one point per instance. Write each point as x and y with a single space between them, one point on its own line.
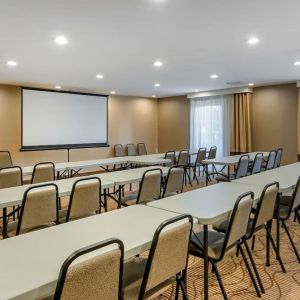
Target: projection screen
54 120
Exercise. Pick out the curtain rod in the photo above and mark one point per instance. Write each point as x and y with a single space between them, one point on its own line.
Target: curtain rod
221 92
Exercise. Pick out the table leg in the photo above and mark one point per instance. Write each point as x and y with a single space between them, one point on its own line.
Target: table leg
105 200
277 225
228 172
4 225
206 174
205 246
57 175
120 196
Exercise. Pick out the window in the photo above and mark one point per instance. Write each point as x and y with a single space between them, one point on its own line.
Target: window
210 123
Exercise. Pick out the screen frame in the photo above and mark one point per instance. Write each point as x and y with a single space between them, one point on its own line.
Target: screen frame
62 146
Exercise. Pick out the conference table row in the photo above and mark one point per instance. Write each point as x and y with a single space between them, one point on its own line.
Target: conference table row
32 261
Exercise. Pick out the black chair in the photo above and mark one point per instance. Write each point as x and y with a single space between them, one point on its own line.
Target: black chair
5 159
271 161
256 164
241 170
97 276
142 150
43 172
201 155
278 157
172 157
184 160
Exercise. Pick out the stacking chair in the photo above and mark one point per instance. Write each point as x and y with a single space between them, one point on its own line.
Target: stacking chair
241 170
11 177
142 150
150 188
262 219
288 204
5 159
172 157
43 172
212 154
97 277
278 157
219 243
146 278
201 155
39 209
271 161
131 150
85 199
184 160
256 164
119 150
174 181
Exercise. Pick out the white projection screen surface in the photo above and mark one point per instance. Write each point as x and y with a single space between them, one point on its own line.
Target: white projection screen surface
63 120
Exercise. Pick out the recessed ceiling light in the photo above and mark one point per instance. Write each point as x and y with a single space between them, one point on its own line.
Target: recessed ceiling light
153 96
99 76
157 84
12 63
214 76
58 87
253 40
158 63
61 40
297 63
113 92
251 84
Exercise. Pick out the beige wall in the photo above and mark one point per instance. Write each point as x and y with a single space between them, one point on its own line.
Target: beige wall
275 119
173 123
130 120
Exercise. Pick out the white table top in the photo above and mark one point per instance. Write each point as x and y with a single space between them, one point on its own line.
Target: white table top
232 160
131 175
209 204
287 177
13 196
31 262
76 165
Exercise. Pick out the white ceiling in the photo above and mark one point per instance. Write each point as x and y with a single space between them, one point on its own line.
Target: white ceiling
121 38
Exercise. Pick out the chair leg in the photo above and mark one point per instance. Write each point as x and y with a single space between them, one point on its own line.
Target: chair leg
188 173
291 240
195 175
253 242
250 272
177 289
183 289
216 271
254 267
275 249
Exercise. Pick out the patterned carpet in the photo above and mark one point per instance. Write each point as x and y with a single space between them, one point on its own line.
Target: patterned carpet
236 279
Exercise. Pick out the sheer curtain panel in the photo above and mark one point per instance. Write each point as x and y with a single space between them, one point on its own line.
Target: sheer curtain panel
211 123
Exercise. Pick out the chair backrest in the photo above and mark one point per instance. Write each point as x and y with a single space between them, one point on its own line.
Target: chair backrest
85 198
39 207
5 159
257 162
271 160
201 155
119 150
167 257
150 187
142 150
43 172
175 179
278 157
212 152
238 222
183 158
172 157
131 150
295 203
242 167
98 277
265 206
10 177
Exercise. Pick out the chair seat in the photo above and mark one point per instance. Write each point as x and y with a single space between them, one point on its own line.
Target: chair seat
223 177
215 244
285 200
130 199
222 225
132 279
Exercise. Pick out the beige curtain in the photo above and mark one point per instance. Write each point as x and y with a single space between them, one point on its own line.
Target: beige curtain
241 127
